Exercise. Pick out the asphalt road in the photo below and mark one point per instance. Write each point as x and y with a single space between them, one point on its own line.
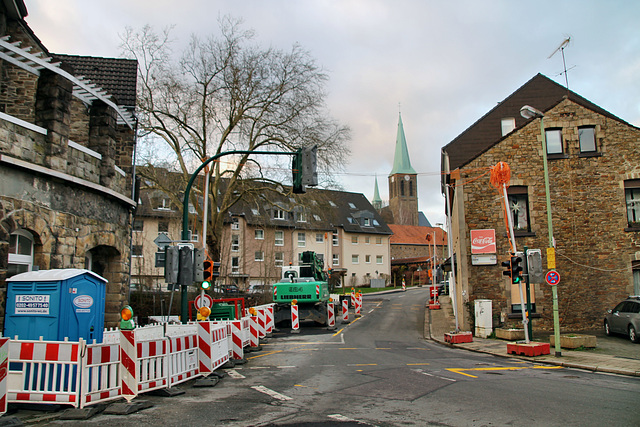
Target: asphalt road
379 370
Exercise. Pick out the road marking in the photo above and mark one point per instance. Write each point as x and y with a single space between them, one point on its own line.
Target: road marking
286 367
382 348
420 371
504 368
417 364
338 332
266 354
270 392
235 374
363 364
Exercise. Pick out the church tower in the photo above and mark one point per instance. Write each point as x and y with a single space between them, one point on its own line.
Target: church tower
403 183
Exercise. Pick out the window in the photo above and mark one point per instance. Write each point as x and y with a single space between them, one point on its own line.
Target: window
334 239
367 259
319 237
632 196
138 225
20 253
553 138
193 237
279 238
367 239
411 188
235 243
402 188
635 265
235 224
317 217
278 214
163 227
352 206
136 251
255 212
378 259
279 257
160 258
259 256
519 205
164 204
507 125
355 259
587 137
332 204
235 264
378 240
259 234
335 259
354 240
302 217
367 222
302 240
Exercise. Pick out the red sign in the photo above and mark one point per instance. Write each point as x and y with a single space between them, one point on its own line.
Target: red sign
203 301
552 278
483 241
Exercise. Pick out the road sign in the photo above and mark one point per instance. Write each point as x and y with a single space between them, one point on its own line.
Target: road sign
552 277
162 241
203 301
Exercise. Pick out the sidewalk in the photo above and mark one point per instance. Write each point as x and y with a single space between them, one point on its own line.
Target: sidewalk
604 358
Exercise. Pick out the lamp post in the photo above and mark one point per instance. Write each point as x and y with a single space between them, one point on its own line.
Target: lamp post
529 112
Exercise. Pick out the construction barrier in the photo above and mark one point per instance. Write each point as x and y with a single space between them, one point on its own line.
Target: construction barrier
213 346
331 316
358 304
345 311
270 321
237 350
261 322
254 339
44 372
295 320
183 358
4 371
100 381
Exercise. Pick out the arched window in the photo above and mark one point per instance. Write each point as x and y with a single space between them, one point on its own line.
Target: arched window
402 188
410 188
20 252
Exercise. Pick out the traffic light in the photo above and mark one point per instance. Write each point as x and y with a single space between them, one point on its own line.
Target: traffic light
126 318
211 270
171 264
198 264
507 266
185 275
516 269
296 169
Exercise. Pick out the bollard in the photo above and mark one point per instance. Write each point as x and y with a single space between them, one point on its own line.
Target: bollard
404 286
345 311
358 304
331 315
254 340
353 297
295 320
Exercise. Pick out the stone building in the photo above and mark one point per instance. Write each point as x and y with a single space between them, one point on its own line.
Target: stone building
66 156
594 176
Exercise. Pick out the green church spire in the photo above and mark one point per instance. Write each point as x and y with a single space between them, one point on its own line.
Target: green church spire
401 162
377 201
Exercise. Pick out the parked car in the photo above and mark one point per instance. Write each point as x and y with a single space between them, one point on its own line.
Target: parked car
624 319
259 289
227 289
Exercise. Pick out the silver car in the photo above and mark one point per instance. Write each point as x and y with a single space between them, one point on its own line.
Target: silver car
624 319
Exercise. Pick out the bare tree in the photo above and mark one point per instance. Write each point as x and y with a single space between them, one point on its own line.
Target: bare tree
225 94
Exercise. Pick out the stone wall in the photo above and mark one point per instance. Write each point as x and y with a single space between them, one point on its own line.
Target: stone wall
594 251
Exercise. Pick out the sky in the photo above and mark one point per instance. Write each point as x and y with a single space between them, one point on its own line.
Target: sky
441 64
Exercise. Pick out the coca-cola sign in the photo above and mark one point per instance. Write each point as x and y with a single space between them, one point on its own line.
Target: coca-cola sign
483 241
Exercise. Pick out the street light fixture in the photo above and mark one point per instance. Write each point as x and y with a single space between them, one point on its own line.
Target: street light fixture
528 112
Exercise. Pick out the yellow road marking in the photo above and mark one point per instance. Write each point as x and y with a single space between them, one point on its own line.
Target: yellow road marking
417 364
365 364
338 332
503 368
382 348
345 348
266 354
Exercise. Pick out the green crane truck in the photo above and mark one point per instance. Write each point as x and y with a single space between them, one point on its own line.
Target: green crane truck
307 285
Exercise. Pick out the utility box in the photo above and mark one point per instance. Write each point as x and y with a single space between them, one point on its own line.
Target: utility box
484 319
55 304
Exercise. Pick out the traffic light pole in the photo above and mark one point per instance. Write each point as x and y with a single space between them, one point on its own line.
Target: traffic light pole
184 309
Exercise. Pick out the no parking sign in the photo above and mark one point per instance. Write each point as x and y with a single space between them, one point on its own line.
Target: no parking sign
552 277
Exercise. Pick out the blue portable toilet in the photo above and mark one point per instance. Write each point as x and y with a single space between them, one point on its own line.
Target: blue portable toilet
56 304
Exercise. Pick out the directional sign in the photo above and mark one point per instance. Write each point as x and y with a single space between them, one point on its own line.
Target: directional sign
552 277
162 241
203 301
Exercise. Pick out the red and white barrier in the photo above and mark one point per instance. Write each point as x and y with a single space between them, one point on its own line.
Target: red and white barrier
261 322
44 371
345 311
237 350
213 346
152 358
358 304
269 320
295 319
246 332
4 371
331 316
183 359
100 380
404 286
254 340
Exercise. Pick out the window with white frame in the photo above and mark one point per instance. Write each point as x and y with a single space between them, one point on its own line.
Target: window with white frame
259 256
161 257
259 234
302 239
355 259
302 217
553 138
587 136
235 243
378 240
334 239
136 251
378 259
163 227
235 223
138 225
335 259
278 214
354 240
279 238
319 237
367 222
279 258
20 256
632 196
519 205
367 259
367 240
235 264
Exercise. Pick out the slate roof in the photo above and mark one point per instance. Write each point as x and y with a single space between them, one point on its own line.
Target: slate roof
540 92
118 76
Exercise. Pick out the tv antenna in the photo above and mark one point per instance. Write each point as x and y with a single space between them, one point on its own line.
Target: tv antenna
560 48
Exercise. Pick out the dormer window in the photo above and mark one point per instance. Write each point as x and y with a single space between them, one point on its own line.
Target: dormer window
507 125
352 206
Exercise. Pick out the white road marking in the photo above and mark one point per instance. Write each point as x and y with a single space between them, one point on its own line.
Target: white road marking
270 392
286 367
235 374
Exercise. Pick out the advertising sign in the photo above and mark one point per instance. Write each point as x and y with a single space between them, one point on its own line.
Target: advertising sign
32 304
483 241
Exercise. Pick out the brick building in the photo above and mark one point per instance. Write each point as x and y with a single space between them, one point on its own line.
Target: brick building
66 151
594 176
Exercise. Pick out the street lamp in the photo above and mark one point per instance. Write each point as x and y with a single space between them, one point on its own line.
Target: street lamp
529 112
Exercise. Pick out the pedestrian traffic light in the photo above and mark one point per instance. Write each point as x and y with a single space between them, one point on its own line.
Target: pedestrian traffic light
507 266
516 269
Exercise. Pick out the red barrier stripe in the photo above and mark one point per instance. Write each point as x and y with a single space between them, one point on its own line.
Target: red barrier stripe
26 351
126 391
129 336
51 352
127 362
105 354
74 352
204 347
